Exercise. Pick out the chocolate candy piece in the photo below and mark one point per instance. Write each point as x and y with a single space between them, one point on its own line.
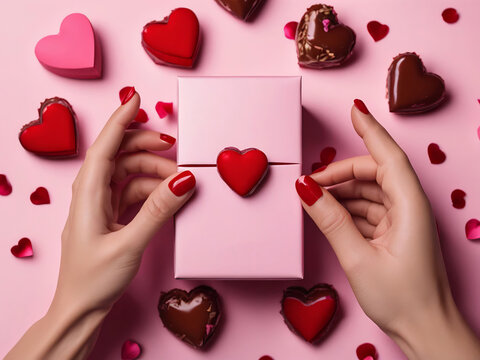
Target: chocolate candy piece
242 9
309 313
411 89
321 41
193 316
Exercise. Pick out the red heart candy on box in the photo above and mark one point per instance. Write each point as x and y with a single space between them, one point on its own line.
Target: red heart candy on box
23 249
40 196
174 40
54 133
242 170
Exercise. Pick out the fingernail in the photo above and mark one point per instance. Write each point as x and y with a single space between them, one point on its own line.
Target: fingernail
320 169
308 189
360 105
167 138
182 183
127 94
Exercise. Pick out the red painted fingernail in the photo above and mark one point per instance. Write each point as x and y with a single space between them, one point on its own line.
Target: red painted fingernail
308 189
167 138
359 104
320 169
182 183
128 93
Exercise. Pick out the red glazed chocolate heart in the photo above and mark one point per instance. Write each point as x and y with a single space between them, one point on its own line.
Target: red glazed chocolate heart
377 30
242 9
40 196
23 249
242 170
54 134
174 40
192 317
411 89
321 41
309 313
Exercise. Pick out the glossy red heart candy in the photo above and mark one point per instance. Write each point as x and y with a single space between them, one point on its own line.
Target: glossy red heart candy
435 155
377 30
458 198
309 313
23 249
54 134
40 196
174 40
5 186
242 170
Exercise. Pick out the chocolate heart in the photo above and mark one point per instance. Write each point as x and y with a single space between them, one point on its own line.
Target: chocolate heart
321 41
54 134
242 9
23 249
411 89
242 170
309 313
192 317
174 40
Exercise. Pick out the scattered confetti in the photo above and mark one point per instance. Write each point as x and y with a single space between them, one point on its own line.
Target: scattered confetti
23 249
163 109
40 196
450 15
5 186
472 229
436 155
458 198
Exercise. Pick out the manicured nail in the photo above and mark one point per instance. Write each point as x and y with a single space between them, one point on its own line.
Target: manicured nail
182 183
360 105
167 138
128 93
320 169
308 189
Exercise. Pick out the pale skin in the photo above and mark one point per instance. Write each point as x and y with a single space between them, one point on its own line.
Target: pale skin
374 214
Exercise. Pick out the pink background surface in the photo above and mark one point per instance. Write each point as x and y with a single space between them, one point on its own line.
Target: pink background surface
252 326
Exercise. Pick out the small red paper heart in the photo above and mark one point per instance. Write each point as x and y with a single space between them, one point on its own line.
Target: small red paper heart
458 198
309 313
40 196
377 30
472 229
290 29
164 108
242 170
23 249
450 15
54 134
435 155
174 40
131 350
366 350
5 186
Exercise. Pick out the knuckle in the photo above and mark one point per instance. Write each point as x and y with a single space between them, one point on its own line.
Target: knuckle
158 207
334 221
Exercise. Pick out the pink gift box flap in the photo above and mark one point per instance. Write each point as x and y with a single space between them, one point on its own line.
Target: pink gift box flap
243 112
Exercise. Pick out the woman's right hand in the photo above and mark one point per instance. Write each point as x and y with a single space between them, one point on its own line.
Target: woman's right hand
379 222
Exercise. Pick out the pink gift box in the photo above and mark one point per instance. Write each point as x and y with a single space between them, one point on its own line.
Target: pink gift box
219 234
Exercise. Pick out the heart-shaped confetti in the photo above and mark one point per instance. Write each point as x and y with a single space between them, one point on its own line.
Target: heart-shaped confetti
40 196
365 351
377 30
472 229
164 108
290 29
450 15
5 186
458 198
131 350
23 249
435 155
142 116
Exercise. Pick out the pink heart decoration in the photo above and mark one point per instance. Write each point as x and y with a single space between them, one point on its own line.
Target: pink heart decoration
163 109
74 52
40 196
472 229
131 350
23 249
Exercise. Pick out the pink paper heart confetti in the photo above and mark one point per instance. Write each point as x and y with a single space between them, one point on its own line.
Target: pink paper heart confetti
131 350
164 108
290 29
377 30
472 229
40 196
5 186
141 117
458 198
22 249
435 155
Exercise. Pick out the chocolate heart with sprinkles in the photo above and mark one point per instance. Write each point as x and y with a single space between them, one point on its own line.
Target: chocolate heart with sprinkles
323 42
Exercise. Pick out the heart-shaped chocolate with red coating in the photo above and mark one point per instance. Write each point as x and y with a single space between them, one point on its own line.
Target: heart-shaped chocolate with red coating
242 170
242 9
54 134
323 42
310 313
191 316
173 41
411 89
23 249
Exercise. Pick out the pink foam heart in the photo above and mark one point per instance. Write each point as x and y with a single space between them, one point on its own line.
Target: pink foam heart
74 52
131 350
472 229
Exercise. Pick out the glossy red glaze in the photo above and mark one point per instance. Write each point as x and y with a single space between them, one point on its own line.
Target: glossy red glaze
458 198
365 350
174 40
377 30
54 134
23 249
167 138
450 15
360 105
242 170
308 190
435 155
40 196
182 183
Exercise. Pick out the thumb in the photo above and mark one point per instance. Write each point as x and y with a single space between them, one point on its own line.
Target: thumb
334 222
161 205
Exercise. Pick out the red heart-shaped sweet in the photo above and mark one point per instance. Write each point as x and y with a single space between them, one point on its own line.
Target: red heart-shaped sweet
5 186
242 170
435 155
458 198
40 196
377 30
23 249
174 40
472 229
309 313
54 134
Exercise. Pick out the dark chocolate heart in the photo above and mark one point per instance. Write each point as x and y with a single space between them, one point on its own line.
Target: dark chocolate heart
242 9
321 41
411 89
191 316
310 313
